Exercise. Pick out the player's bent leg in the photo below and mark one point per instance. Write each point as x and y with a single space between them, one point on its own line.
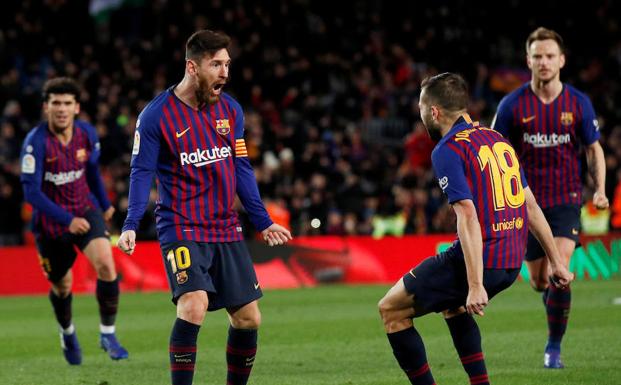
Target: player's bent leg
467 341
558 305
241 345
397 310
61 298
99 253
191 309
538 272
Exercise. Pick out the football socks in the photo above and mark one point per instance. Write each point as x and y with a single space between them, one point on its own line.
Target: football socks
241 349
558 304
409 350
108 299
467 341
182 351
62 309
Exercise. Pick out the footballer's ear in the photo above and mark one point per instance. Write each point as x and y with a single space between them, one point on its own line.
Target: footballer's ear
435 113
528 62
562 60
191 67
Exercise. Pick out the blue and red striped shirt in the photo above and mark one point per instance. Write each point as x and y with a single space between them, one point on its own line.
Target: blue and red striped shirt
61 181
201 163
547 138
477 163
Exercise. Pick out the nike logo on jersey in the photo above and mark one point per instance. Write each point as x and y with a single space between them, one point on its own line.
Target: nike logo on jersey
256 286
50 160
180 134
530 118
574 231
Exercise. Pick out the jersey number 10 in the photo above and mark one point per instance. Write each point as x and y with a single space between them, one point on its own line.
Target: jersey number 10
179 258
505 177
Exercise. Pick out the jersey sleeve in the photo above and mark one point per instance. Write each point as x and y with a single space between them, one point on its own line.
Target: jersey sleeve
503 118
93 177
247 188
589 126
449 169
145 153
32 158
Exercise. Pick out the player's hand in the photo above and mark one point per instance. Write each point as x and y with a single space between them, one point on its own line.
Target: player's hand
600 200
79 226
276 235
477 300
107 215
561 277
127 242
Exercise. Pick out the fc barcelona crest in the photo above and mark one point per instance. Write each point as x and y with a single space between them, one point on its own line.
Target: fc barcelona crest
222 126
182 277
567 118
80 155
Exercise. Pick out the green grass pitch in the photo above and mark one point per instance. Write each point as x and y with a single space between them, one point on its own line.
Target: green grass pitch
326 335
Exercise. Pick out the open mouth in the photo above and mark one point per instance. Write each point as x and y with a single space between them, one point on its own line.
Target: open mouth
217 88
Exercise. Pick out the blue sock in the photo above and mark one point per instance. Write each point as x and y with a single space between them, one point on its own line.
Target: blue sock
107 293
241 348
409 350
182 351
558 304
467 341
62 309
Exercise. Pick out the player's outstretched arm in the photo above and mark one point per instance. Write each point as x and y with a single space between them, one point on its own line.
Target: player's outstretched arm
127 242
597 169
276 234
469 233
540 228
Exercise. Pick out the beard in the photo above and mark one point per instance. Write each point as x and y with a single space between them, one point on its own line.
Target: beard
203 93
433 129
434 133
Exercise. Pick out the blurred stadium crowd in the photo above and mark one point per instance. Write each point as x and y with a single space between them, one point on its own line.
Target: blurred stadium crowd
330 92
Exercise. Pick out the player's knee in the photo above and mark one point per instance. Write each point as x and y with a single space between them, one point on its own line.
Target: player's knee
387 311
62 290
247 321
538 284
106 271
192 307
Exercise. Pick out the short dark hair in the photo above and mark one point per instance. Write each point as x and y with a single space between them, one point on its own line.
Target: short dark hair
542 33
62 85
205 42
447 90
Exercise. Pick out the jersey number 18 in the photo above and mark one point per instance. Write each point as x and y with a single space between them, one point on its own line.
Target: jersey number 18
504 171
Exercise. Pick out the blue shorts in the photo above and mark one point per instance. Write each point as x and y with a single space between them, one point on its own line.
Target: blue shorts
440 283
58 254
564 221
224 270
